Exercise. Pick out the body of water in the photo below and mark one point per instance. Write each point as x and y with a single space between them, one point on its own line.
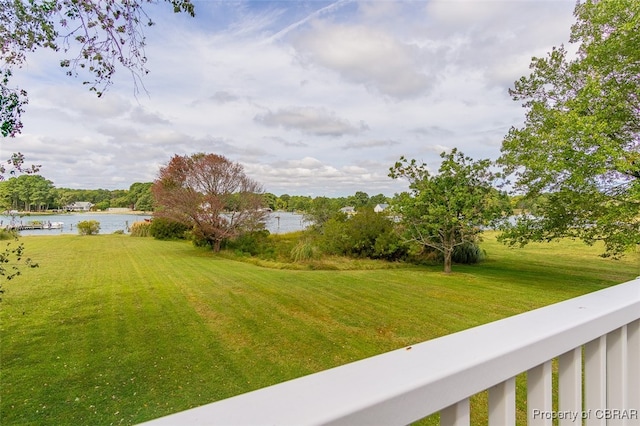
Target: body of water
277 222
284 222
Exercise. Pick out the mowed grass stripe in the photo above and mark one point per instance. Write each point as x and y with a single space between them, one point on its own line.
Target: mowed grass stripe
112 323
114 329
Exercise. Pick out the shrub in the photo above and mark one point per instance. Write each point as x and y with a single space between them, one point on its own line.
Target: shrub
389 246
468 253
364 235
140 229
165 229
88 227
6 234
252 243
198 241
333 237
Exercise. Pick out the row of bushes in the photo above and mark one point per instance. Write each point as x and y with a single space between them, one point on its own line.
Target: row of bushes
365 235
161 229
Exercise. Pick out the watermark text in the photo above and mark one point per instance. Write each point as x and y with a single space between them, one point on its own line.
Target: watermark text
574 416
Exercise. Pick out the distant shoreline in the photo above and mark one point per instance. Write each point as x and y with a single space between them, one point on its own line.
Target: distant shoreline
51 213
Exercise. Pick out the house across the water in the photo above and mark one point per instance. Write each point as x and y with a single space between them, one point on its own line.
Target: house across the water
379 208
349 211
79 206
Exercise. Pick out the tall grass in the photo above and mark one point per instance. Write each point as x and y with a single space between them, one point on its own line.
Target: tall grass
118 330
140 229
303 251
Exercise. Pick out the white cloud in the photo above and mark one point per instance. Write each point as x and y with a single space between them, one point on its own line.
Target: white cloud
223 97
141 115
77 102
310 176
366 56
310 120
373 143
312 97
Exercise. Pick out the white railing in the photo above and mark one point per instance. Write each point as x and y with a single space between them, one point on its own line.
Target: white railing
595 338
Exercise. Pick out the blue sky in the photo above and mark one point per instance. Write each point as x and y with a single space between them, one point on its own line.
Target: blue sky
312 97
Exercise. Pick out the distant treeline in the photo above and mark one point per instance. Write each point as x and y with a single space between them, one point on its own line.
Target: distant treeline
36 193
301 203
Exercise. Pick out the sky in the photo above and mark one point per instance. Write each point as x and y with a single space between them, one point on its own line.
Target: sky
316 98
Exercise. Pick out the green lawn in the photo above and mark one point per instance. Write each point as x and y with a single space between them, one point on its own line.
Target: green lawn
112 329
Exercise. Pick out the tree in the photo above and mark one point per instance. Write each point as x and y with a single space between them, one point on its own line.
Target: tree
140 196
64 196
9 196
321 210
210 194
270 200
579 147
283 202
300 203
26 191
359 199
378 199
451 208
96 36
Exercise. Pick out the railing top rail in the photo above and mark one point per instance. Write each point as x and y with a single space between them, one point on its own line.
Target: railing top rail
405 385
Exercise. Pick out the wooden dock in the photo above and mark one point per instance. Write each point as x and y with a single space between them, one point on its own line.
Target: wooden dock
29 226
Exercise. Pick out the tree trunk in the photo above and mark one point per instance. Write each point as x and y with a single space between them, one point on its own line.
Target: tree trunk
447 260
216 245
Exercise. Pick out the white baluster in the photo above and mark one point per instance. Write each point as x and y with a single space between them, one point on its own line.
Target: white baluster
633 369
502 403
595 380
456 414
539 408
617 374
570 386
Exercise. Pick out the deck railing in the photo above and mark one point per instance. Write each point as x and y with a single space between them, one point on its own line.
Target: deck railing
595 339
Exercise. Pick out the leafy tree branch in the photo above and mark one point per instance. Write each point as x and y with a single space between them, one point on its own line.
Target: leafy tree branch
580 144
98 36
